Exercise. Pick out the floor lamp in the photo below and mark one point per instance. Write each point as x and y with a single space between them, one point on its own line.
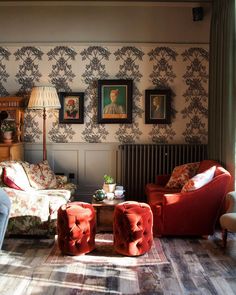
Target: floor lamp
42 98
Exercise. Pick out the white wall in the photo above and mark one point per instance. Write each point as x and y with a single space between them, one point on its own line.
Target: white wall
102 22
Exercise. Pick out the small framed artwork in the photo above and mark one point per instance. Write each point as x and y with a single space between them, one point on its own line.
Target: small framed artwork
157 106
72 107
115 101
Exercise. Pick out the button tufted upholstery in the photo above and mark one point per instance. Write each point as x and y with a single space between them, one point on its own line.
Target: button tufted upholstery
76 228
132 228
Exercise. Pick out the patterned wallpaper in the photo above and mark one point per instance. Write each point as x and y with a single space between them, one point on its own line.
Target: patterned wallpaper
183 68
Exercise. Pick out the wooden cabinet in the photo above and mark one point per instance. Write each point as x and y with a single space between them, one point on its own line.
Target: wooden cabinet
14 151
14 106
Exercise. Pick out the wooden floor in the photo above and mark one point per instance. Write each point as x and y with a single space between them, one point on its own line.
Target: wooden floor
196 266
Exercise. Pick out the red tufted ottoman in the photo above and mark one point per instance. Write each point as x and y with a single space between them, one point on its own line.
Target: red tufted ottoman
132 228
76 228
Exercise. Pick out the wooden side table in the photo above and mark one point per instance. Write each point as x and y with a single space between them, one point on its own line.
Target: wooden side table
104 213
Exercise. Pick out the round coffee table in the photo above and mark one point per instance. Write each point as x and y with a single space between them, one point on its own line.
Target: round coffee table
104 213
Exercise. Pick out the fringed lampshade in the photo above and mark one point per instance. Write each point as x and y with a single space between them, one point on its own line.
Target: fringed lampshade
44 97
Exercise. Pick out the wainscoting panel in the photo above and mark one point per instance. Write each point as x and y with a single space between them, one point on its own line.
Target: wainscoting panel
65 160
95 160
87 162
33 155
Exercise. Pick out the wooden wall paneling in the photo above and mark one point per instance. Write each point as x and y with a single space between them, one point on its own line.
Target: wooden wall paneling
88 161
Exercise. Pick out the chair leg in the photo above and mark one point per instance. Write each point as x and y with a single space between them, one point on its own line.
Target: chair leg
224 237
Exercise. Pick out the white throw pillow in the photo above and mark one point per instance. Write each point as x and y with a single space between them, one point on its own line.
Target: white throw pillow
14 176
199 180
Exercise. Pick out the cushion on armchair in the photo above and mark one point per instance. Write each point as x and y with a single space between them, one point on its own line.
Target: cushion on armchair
181 174
14 176
40 175
199 180
2 166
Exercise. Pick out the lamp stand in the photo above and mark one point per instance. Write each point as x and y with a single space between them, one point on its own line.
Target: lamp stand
44 135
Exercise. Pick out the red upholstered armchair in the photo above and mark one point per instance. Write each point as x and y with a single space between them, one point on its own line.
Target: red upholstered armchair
188 213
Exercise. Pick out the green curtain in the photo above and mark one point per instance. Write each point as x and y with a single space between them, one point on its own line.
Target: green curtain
222 85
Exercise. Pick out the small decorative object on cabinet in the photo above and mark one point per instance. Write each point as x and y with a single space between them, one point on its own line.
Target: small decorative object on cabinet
8 128
11 126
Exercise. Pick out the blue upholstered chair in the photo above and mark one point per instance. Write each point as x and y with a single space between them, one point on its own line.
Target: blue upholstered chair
5 206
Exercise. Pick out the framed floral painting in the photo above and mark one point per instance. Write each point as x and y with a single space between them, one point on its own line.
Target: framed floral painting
72 107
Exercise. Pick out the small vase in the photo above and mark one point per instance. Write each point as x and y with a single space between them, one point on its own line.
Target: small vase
109 188
7 136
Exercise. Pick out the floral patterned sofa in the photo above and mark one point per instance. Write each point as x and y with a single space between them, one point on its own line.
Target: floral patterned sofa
36 193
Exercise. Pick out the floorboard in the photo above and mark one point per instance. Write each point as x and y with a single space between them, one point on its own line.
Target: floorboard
195 266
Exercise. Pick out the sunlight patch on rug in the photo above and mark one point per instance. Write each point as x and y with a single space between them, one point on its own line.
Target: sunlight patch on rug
104 254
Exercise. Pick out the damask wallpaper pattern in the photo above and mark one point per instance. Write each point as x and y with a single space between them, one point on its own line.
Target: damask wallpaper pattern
182 68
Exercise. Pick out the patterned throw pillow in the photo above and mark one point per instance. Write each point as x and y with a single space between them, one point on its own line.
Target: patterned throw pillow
14 176
181 174
199 180
40 175
2 166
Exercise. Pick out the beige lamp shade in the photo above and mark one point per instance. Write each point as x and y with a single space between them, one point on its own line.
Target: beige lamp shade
44 97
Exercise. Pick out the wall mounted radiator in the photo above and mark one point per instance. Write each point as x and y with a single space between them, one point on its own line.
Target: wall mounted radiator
140 163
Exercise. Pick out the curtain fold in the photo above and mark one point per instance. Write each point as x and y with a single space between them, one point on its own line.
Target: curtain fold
222 85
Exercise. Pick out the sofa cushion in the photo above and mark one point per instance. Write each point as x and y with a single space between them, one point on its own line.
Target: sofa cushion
40 175
28 204
181 174
14 176
5 164
199 180
57 197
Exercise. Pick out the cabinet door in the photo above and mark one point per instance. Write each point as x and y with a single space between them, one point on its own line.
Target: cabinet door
4 153
16 152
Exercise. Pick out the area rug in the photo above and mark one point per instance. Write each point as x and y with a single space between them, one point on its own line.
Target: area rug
104 254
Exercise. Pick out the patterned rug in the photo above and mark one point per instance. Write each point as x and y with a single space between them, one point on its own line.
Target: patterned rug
104 254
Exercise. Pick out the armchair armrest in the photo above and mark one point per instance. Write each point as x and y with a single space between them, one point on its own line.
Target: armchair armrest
231 202
61 179
162 179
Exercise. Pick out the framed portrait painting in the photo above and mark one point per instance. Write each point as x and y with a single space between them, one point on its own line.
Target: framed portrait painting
115 101
157 106
72 107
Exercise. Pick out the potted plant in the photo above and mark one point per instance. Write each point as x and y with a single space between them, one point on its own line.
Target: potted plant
109 184
7 129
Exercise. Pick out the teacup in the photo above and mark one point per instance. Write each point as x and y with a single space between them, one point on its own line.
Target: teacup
119 187
119 193
110 196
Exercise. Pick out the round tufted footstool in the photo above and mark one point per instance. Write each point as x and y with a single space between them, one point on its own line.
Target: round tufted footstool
132 228
76 228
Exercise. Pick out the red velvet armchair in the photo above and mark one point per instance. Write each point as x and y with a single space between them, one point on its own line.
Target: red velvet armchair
188 213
